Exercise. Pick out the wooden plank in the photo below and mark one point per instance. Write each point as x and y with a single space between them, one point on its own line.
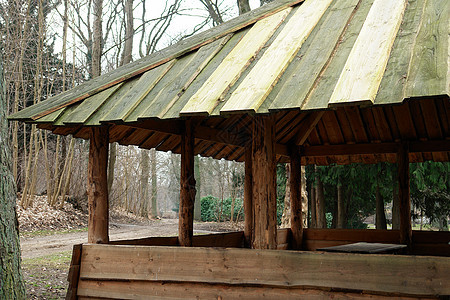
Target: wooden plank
97 186
140 66
187 186
74 273
259 82
264 183
326 81
150 241
225 240
394 79
364 69
179 290
107 106
124 106
295 88
352 235
229 71
90 105
428 72
172 92
50 118
377 273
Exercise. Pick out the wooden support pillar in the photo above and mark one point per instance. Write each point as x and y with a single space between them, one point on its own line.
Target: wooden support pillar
187 188
248 197
296 198
98 186
404 195
264 183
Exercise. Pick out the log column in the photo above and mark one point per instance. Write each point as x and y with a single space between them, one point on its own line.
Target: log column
264 183
404 195
248 197
187 188
296 198
98 186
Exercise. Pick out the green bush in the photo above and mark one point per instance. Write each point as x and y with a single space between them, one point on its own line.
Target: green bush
215 210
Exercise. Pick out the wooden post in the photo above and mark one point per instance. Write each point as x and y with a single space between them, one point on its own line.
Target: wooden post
248 197
187 188
98 186
264 183
296 198
403 194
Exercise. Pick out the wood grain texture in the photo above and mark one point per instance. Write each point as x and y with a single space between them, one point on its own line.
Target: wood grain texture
324 86
248 197
187 187
124 106
296 199
90 289
259 82
90 105
300 76
365 65
264 183
98 203
429 70
140 66
377 273
392 85
229 71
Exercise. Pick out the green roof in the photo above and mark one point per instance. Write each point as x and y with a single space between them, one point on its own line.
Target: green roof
286 55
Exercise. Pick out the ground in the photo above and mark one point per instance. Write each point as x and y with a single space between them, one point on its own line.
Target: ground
47 237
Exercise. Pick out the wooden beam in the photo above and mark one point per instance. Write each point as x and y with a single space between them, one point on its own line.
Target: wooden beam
97 186
404 195
264 183
250 267
248 198
371 148
296 199
187 188
307 126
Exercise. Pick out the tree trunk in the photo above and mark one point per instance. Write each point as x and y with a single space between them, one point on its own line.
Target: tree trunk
248 197
244 6
197 204
111 164
11 281
321 220
296 199
145 173
313 207
286 217
154 185
395 201
340 207
404 195
380 222
97 38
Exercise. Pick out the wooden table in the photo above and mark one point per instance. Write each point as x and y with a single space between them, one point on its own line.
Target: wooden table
362 247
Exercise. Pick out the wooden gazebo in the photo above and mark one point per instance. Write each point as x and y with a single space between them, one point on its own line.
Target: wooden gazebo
309 82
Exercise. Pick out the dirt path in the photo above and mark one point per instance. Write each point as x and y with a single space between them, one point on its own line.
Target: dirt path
33 247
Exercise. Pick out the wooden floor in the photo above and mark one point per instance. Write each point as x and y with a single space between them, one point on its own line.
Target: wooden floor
219 268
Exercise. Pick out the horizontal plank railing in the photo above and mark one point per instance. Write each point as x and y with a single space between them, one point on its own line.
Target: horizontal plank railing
424 242
395 274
